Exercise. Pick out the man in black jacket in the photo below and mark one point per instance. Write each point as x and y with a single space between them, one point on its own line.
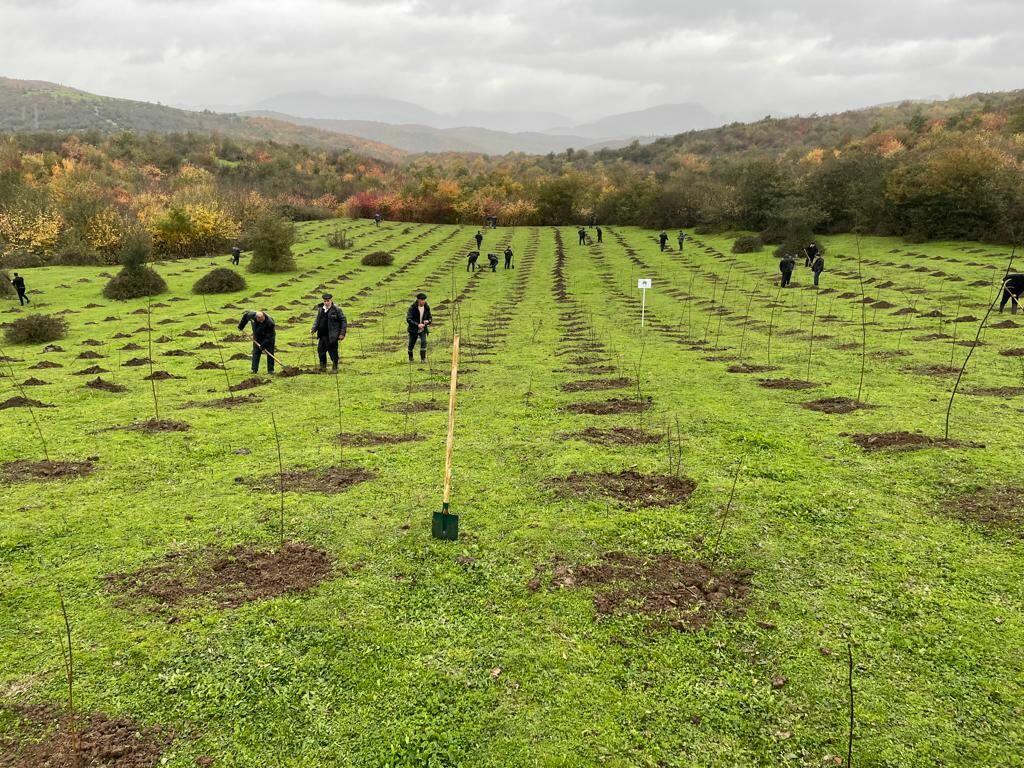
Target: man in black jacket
810 252
492 259
1013 287
264 337
663 240
508 257
479 239
471 262
818 266
19 285
786 268
329 326
600 235
582 232
418 320
236 255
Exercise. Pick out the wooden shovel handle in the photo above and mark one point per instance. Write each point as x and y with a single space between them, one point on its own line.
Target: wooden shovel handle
451 422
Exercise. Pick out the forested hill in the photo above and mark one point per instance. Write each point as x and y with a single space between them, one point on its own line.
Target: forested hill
29 105
1003 111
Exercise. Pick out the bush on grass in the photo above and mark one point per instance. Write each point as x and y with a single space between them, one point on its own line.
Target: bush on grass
271 241
378 259
220 280
136 278
36 329
747 244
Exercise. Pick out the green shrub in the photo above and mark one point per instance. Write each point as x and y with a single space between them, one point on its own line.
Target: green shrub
796 245
747 244
220 280
36 329
339 239
378 259
271 241
136 278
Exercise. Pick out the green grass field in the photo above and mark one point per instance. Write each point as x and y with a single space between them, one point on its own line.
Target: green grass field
484 652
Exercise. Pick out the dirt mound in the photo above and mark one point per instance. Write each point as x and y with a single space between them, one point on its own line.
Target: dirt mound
935 370
594 385
251 383
34 382
135 362
835 405
791 384
230 578
177 353
22 402
160 376
224 402
1015 352
751 368
882 305
629 487
965 319
366 439
330 480
681 594
905 441
159 425
617 436
290 372
106 386
89 740
208 345
606 407
933 337
132 347
417 407
207 366
92 370
1005 324
996 391
89 355
42 366
998 507
17 471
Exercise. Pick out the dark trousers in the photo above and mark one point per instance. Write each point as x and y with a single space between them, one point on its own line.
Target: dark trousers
471 265
494 265
256 352
663 245
786 277
422 336
600 237
23 299
680 246
583 239
234 260
817 275
508 263
325 347
1007 295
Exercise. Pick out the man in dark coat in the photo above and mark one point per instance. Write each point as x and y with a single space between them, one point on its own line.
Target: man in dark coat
663 240
264 337
508 257
1013 287
418 320
810 252
681 238
818 266
492 259
600 235
19 285
376 219
471 262
786 266
479 239
236 255
582 232
329 326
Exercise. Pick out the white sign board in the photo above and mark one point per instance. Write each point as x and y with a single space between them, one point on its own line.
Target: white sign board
643 283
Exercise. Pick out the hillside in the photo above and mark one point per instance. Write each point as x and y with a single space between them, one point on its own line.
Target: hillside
27 105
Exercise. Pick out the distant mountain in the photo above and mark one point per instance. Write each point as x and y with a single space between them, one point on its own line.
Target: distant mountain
351 107
424 138
664 120
29 105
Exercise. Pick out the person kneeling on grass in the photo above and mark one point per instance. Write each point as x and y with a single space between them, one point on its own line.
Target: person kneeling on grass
264 337
1013 287
471 263
418 320
329 326
492 259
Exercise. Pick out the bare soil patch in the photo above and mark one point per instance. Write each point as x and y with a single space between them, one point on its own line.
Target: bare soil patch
230 578
906 441
32 381
44 364
421 406
629 487
607 407
1015 352
291 371
835 405
939 369
617 436
92 370
1005 324
159 425
997 391
58 741
594 385
790 384
160 376
23 470
751 368
135 362
330 480
998 508
681 594
250 383
89 355
22 402
368 439
105 386
208 366
224 402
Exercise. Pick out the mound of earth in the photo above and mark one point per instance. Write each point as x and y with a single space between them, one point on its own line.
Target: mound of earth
905 441
106 386
228 577
330 480
34 382
1015 352
208 366
43 365
935 370
56 740
160 376
224 402
998 507
751 368
89 355
835 405
681 594
159 425
1005 324
629 487
92 370
606 407
22 402
416 407
251 383
791 384
616 436
22 470
997 391
367 439
286 373
594 385
135 362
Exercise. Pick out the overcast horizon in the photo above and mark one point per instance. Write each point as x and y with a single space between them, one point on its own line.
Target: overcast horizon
581 59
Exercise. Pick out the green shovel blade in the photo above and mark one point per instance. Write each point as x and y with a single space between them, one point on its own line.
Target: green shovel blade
445 525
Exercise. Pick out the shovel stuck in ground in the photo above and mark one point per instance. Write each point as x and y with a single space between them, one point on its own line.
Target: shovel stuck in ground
267 352
445 524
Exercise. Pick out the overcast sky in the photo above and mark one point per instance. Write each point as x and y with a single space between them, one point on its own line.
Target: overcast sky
585 58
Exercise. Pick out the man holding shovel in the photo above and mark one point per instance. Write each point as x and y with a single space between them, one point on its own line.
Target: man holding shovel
418 320
264 338
329 327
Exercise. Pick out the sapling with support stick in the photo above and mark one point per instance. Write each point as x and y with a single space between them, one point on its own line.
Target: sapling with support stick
863 323
771 322
810 343
746 317
152 378
728 508
849 686
445 525
68 655
216 343
280 474
952 344
28 403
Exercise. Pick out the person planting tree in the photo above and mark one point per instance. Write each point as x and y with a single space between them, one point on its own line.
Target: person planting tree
508 257
19 285
471 262
786 266
329 327
479 239
663 240
810 253
681 238
818 266
1013 288
582 232
418 320
264 337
